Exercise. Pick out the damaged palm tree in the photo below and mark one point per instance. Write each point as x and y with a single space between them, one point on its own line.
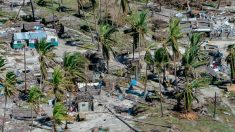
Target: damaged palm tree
9 90
74 65
193 56
59 115
187 95
138 22
149 61
106 41
161 60
45 51
35 95
172 41
231 60
58 83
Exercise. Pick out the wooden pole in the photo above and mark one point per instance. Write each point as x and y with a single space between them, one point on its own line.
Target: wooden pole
128 125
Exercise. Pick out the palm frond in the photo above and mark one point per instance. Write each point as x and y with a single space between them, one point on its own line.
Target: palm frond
59 113
148 58
35 94
9 84
45 51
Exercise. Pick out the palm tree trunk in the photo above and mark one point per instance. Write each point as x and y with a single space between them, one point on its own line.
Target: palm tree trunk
139 56
100 10
146 3
188 2
98 46
129 8
59 2
175 70
31 128
79 7
40 85
53 14
66 123
31 3
69 100
86 78
160 86
133 50
85 19
136 72
107 61
160 4
25 79
106 11
4 114
218 4
232 68
54 126
146 79
95 19
164 74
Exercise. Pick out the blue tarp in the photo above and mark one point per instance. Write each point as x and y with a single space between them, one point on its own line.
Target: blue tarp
133 82
1 91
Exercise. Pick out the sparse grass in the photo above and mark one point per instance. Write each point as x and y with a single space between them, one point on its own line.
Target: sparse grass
8 14
226 123
231 94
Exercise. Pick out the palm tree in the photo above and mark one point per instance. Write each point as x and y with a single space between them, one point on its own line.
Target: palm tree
35 94
172 39
188 93
45 51
105 40
57 83
161 59
149 61
193 56
74 65
138 22
9 90
231 60
59 115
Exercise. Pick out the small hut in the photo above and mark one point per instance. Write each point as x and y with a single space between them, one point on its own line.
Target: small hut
84 102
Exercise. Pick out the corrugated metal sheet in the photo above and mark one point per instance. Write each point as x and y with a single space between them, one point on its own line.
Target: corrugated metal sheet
37 35
29 35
